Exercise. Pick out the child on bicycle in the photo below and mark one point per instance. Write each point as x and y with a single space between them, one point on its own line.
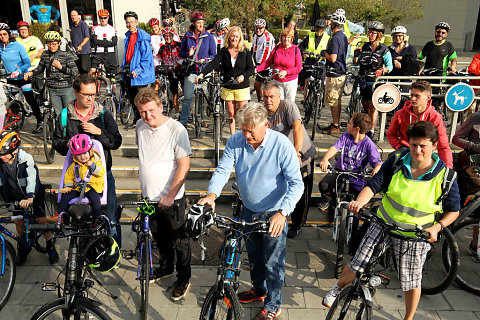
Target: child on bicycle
85 168
356 151
19 181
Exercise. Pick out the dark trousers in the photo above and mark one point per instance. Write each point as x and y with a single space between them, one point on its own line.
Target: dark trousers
91 195
132 93
329 193
300 213
168 231
83 63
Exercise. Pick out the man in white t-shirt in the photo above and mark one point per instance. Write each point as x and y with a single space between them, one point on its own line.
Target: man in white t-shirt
164 154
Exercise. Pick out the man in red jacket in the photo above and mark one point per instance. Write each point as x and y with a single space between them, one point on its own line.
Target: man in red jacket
419 108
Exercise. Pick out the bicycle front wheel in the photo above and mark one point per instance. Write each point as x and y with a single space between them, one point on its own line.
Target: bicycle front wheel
217 134
438 276
348 306
126 111
48 130
341 216
83 309
110 104
145 270
308 104
198 114
7 279
15 116
468 276
221 304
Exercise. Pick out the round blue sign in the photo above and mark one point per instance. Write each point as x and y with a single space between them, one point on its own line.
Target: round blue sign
459 97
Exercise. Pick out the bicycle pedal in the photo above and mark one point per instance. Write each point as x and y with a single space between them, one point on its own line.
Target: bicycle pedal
385 279
127 254
49 286
246 265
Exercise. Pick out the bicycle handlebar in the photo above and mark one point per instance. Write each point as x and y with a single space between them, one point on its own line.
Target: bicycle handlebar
54 227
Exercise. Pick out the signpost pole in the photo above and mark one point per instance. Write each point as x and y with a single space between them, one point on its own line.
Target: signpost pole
383 121
454 125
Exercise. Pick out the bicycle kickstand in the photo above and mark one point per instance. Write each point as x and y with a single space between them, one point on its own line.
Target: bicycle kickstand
101 285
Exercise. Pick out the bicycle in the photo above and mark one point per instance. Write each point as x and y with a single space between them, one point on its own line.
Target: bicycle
221 301
73 300
124 106
356 300
355 102
161 74
203 95
17 108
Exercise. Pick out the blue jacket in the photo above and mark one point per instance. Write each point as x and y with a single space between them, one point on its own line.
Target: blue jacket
15 58
207 50
27 176
142 60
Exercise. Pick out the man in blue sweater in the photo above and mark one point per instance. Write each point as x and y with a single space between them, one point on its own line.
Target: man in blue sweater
268 175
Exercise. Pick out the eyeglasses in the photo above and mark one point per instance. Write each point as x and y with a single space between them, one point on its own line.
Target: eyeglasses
398 36
88 95
103 18
440 32
259 28
372 32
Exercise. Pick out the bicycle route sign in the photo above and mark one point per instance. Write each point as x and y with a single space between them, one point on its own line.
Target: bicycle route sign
386 97
459 97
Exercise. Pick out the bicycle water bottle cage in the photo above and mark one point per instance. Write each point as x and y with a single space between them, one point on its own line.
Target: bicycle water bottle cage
147 209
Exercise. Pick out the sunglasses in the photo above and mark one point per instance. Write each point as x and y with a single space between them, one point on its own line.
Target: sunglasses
103 18
259 28
440 32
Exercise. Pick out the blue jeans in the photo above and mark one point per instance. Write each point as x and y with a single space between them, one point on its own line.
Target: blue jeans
268 257
188 91
61 98
111 210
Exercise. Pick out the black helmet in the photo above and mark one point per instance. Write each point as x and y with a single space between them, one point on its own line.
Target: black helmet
377 26
130 14
443 25
320 23
9 142
102 253
199 217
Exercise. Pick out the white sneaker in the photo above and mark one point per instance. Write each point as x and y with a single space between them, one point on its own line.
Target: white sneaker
331 295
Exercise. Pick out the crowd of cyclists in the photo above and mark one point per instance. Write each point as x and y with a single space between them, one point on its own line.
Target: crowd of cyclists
272 154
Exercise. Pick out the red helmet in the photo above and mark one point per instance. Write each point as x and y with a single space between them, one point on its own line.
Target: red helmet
23 24
167 22
103 13
153 22
168 30
197 15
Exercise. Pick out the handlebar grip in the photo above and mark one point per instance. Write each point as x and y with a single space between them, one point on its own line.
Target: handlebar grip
54 227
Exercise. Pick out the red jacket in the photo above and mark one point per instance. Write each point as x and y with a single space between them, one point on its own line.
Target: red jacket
474 68
397 132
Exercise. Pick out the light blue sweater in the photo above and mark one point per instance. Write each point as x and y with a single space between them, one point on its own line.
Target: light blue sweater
269 177
15 58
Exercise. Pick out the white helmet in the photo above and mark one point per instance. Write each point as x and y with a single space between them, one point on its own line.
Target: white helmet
399 29
340 11
224 23
338 18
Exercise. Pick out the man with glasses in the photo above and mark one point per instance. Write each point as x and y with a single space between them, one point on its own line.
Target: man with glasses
85 115
262 47
439 52
104 39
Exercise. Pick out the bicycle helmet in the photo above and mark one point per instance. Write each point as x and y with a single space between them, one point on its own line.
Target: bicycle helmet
4 26
102 253
443 25
167 22
197 15
260 23
80 143
130 14
198 218
320 23
377 26
9 142
338 19
52 36
224 23
23 24
340 11
216 26
153 22
168 30
103 13
399 29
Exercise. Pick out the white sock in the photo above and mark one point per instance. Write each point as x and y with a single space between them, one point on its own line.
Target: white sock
336 289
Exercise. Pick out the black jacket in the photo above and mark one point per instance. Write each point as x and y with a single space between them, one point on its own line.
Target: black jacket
56 78
110 138
243 66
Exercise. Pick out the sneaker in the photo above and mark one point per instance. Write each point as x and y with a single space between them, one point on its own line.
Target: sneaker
159 273
22 253
250 296
292 231
265 314
323 205
331 129
472 250
38 129
331 295
52 255
179 289
370 134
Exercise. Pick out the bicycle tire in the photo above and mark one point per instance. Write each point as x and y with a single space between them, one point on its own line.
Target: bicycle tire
145 277
50 203
467 276
214 301
348 87
307 105
343 305
341 239
7 281
436 279
317 105
85 306
48 131
110 104
101 84
217 133
198 114
14 122
39 240
125 111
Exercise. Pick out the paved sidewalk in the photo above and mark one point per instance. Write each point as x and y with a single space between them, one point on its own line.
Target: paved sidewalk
309 274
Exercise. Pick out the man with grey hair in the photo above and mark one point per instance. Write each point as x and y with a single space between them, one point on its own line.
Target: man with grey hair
267 171
284 117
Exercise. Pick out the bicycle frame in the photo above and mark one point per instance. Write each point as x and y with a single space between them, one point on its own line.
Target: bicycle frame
4 255
144 233
27 241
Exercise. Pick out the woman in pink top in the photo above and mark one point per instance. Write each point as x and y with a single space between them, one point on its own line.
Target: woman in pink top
287 58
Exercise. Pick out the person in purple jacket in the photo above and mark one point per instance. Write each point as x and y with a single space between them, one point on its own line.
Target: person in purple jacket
356 151
188 49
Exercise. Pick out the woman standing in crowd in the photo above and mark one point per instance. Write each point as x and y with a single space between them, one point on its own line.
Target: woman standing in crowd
403 54
234 61
293 26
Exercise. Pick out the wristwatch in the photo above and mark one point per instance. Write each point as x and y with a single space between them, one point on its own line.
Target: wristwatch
284 213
